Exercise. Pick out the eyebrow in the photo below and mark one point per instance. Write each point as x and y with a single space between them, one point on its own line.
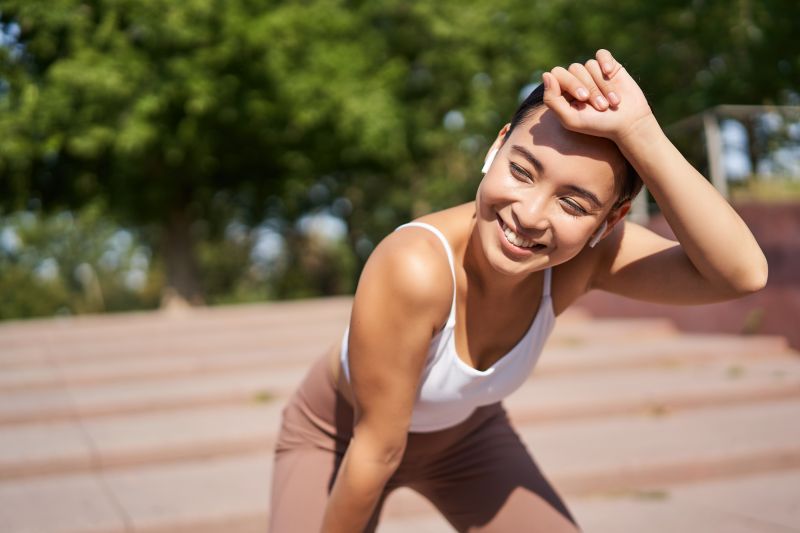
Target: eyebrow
529 156
590 196
580 191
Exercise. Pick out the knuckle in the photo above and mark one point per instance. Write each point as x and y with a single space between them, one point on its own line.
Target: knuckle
559 70
575 67
594 94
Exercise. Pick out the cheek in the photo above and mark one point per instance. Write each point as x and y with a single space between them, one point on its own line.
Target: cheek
488 195
572 233
497 188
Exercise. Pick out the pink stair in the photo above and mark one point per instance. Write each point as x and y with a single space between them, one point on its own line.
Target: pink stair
165 423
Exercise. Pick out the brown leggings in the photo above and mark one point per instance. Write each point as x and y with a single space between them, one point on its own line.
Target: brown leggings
478 474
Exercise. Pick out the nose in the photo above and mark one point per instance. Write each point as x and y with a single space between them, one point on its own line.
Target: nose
532 216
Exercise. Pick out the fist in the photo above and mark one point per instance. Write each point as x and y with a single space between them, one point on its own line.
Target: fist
598 97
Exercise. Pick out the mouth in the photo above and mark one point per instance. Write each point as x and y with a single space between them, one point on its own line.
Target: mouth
515 242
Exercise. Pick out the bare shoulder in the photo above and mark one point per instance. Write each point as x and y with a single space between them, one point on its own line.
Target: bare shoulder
409 271
403 296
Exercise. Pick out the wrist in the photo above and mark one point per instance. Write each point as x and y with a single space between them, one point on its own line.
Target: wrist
645 128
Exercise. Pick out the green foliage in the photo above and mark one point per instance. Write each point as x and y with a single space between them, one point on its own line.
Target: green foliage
72 263
211 110
689 56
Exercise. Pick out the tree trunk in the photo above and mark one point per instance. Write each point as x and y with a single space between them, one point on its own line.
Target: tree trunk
182 288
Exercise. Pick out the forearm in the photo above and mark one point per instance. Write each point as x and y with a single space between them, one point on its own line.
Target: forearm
358 487
713 236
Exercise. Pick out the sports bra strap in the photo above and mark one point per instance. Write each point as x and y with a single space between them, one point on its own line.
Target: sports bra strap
451 319
548 275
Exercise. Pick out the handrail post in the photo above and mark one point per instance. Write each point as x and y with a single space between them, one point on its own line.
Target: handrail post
714 152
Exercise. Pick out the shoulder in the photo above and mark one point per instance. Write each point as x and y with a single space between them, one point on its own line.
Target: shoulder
409 270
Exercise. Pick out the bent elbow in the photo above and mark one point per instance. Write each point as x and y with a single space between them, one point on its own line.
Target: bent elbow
753 280
394 455
388 456
386 453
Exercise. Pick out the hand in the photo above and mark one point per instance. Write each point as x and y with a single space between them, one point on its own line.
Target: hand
597 98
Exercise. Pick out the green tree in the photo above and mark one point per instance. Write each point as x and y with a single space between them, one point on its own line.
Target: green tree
689 56
182 116
157 107
70 263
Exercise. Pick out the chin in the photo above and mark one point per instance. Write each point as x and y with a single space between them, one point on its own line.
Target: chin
510 266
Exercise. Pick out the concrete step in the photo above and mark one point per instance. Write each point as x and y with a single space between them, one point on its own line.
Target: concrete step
228 356
147 395
164 423
150 438
173 386
761 503
126 438
242 317
213 342
620 452
79 503
656 390
14 333
661 352
268 338
183 495
764 502
630 455
202 382
663 383
211 495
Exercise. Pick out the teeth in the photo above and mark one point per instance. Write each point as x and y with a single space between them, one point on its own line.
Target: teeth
515 239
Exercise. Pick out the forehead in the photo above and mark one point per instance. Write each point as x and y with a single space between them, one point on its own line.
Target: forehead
570 156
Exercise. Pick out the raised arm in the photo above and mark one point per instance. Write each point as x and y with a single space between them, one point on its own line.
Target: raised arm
716 256
398 304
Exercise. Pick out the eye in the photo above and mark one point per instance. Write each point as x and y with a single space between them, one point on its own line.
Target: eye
574 207
519 172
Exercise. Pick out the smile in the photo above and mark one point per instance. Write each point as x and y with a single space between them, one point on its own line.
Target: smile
516 240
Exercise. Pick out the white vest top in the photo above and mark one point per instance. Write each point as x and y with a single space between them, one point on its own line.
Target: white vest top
450 389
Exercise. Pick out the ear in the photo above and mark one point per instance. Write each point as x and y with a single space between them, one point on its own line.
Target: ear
615 216
607 226
494 148
499 140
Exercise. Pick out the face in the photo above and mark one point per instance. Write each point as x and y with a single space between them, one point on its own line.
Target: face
547 191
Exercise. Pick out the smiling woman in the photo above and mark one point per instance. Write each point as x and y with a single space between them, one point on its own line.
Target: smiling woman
412 396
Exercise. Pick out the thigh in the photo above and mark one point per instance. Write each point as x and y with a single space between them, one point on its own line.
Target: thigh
301 481
315 430
308 451
490 483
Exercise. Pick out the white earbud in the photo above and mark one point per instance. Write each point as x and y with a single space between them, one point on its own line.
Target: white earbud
489 159
598 235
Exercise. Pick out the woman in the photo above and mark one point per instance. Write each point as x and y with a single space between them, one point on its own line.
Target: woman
451 312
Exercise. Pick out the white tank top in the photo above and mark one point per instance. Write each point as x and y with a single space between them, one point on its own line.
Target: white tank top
450 389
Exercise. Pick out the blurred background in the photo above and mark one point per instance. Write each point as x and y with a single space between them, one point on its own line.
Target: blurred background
206 152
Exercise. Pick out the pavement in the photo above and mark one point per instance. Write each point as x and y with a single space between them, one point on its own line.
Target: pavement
156 422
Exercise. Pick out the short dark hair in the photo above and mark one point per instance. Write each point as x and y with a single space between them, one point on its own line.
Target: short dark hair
632 182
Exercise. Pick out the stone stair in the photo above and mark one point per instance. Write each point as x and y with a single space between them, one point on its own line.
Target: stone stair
165 423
